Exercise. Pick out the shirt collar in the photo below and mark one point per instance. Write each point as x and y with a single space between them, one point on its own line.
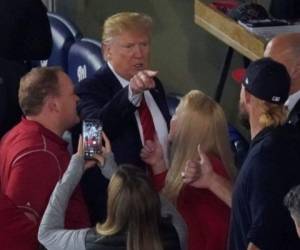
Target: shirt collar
292 100
123 81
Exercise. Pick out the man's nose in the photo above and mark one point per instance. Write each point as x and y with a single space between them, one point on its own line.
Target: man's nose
138 51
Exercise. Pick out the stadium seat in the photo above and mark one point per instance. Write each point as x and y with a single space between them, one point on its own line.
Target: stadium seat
84 59
64 34
74 30
239 145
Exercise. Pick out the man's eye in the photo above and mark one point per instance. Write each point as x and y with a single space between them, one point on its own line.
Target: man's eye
128 46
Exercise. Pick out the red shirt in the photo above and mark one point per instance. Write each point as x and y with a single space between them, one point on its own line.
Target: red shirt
206 216
32 160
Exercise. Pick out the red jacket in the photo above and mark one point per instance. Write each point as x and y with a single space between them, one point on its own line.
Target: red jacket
206 216
32 160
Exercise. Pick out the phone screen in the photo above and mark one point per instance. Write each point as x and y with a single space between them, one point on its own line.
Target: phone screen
91 132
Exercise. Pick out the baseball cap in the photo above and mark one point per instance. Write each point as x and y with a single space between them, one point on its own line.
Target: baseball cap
268 80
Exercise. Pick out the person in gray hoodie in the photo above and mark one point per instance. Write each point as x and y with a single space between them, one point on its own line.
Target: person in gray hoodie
138 218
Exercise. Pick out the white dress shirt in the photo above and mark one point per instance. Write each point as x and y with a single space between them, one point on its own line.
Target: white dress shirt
292 100
159 121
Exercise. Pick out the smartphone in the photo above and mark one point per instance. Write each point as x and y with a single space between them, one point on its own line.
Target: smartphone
92 137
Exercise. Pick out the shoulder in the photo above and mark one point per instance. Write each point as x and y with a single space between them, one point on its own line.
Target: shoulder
159 84
103 75
281 139
19 140
30 145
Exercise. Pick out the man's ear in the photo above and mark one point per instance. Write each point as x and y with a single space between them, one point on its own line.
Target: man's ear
295 72
51 104
247 97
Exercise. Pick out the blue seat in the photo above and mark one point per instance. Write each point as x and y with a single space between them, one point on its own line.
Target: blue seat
64 34
239 145
74 30
84 59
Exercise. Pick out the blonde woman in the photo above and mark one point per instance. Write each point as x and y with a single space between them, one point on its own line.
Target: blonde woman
137 218
198 180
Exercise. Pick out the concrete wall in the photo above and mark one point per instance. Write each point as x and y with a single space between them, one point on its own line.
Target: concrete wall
186 56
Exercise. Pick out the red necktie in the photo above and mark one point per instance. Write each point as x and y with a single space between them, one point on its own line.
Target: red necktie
146 121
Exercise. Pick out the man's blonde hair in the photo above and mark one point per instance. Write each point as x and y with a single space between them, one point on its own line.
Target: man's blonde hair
271 114
126 21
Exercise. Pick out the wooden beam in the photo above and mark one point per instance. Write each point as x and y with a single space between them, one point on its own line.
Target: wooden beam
229 31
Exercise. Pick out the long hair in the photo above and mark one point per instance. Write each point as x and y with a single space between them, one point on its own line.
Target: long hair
200 121
133 207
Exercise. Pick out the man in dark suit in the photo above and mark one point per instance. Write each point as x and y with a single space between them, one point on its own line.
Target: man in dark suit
125 95
286 50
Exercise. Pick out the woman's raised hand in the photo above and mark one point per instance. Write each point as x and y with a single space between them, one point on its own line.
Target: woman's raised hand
152 154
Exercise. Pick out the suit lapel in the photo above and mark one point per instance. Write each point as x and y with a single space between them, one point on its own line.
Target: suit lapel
157 93
111 78
294 115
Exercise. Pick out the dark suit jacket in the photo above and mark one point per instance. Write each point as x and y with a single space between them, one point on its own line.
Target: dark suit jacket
103 97
294 115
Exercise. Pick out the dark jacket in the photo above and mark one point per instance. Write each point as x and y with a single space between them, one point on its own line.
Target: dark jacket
268 173
103 97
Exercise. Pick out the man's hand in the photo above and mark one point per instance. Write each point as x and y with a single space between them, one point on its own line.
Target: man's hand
142 81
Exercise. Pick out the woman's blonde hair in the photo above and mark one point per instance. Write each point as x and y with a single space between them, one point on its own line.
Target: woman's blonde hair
271 114
134 207
126 21
200 121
